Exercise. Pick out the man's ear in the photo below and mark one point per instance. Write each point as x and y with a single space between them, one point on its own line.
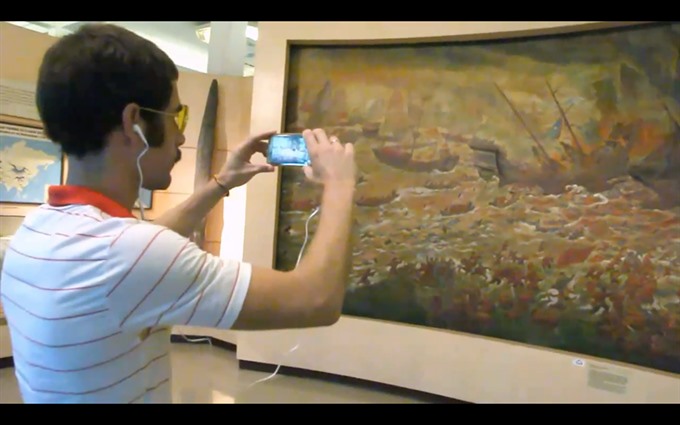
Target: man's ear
130 117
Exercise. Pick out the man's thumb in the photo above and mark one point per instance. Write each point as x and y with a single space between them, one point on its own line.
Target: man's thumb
309 172
265 168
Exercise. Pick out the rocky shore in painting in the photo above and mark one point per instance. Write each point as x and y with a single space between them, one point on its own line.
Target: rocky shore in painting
592 273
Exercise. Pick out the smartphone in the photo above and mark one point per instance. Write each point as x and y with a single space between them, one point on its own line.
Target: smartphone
288 149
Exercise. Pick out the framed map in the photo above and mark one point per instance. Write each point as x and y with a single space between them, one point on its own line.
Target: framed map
29 164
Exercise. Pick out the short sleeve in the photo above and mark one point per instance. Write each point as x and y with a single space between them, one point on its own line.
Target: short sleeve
161 278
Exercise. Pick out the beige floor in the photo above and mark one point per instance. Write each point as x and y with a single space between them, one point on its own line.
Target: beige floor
203 374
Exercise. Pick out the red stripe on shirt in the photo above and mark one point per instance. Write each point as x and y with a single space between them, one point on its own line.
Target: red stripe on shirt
55 259
74 344
200 269
200 297
95 390
92 366
149 390
64 234
90 313
121 233
42 288
231 294
73 214
136 261
157 282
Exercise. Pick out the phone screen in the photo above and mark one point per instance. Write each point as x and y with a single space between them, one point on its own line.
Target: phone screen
288 149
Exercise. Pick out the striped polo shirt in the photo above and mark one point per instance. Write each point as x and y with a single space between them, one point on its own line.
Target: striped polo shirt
90 294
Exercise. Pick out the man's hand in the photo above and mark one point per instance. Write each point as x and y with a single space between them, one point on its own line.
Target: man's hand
331 161
238 170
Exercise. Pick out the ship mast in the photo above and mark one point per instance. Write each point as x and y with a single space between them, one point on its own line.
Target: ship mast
526 127
566 121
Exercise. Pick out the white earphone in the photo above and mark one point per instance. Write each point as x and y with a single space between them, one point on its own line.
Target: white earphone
137 129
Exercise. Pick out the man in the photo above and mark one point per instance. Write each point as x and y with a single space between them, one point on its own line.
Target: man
89 291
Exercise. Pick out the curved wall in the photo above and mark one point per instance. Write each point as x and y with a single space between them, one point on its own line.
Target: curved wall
453 364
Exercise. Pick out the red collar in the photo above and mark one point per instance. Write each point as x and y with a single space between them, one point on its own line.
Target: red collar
59 196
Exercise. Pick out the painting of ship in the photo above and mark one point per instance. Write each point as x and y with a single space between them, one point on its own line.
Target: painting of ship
402 124
523 189
596 169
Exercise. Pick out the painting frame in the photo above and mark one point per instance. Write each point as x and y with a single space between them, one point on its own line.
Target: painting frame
509 360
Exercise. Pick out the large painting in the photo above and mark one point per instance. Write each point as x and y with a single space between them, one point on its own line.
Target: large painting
524 189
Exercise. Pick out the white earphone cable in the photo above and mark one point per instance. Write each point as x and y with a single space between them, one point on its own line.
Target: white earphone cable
139 170
297 345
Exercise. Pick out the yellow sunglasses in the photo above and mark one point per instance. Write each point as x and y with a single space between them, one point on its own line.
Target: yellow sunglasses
181 116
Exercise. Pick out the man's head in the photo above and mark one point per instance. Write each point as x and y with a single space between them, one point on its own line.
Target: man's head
94 85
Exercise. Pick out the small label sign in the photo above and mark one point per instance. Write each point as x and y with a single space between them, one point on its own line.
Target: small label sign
607 378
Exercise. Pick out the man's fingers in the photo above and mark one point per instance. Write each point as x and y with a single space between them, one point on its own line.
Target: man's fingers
309 172
321 136
335 143
310 140
349 149
254 143
265 168
262 136
261 146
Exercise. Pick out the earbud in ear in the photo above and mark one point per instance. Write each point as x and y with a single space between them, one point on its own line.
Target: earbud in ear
137 129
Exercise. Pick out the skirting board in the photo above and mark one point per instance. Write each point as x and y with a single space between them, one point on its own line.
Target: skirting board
6 359
5 342
303 373
457 365
6 362
346 380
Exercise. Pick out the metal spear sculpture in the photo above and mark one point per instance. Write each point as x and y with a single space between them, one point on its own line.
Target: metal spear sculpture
204 154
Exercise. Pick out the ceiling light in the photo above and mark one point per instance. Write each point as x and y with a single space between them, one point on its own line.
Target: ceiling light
203 33
29 26
252 33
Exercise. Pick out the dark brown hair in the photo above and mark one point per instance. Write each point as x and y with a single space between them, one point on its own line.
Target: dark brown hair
87 78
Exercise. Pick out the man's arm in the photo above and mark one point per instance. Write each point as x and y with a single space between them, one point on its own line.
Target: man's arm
184 218
170 281
313 293
165 280
236 171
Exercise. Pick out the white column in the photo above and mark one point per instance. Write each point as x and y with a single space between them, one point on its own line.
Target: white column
227 48
226 56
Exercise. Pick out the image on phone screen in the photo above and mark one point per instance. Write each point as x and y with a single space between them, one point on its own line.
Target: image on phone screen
288 150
